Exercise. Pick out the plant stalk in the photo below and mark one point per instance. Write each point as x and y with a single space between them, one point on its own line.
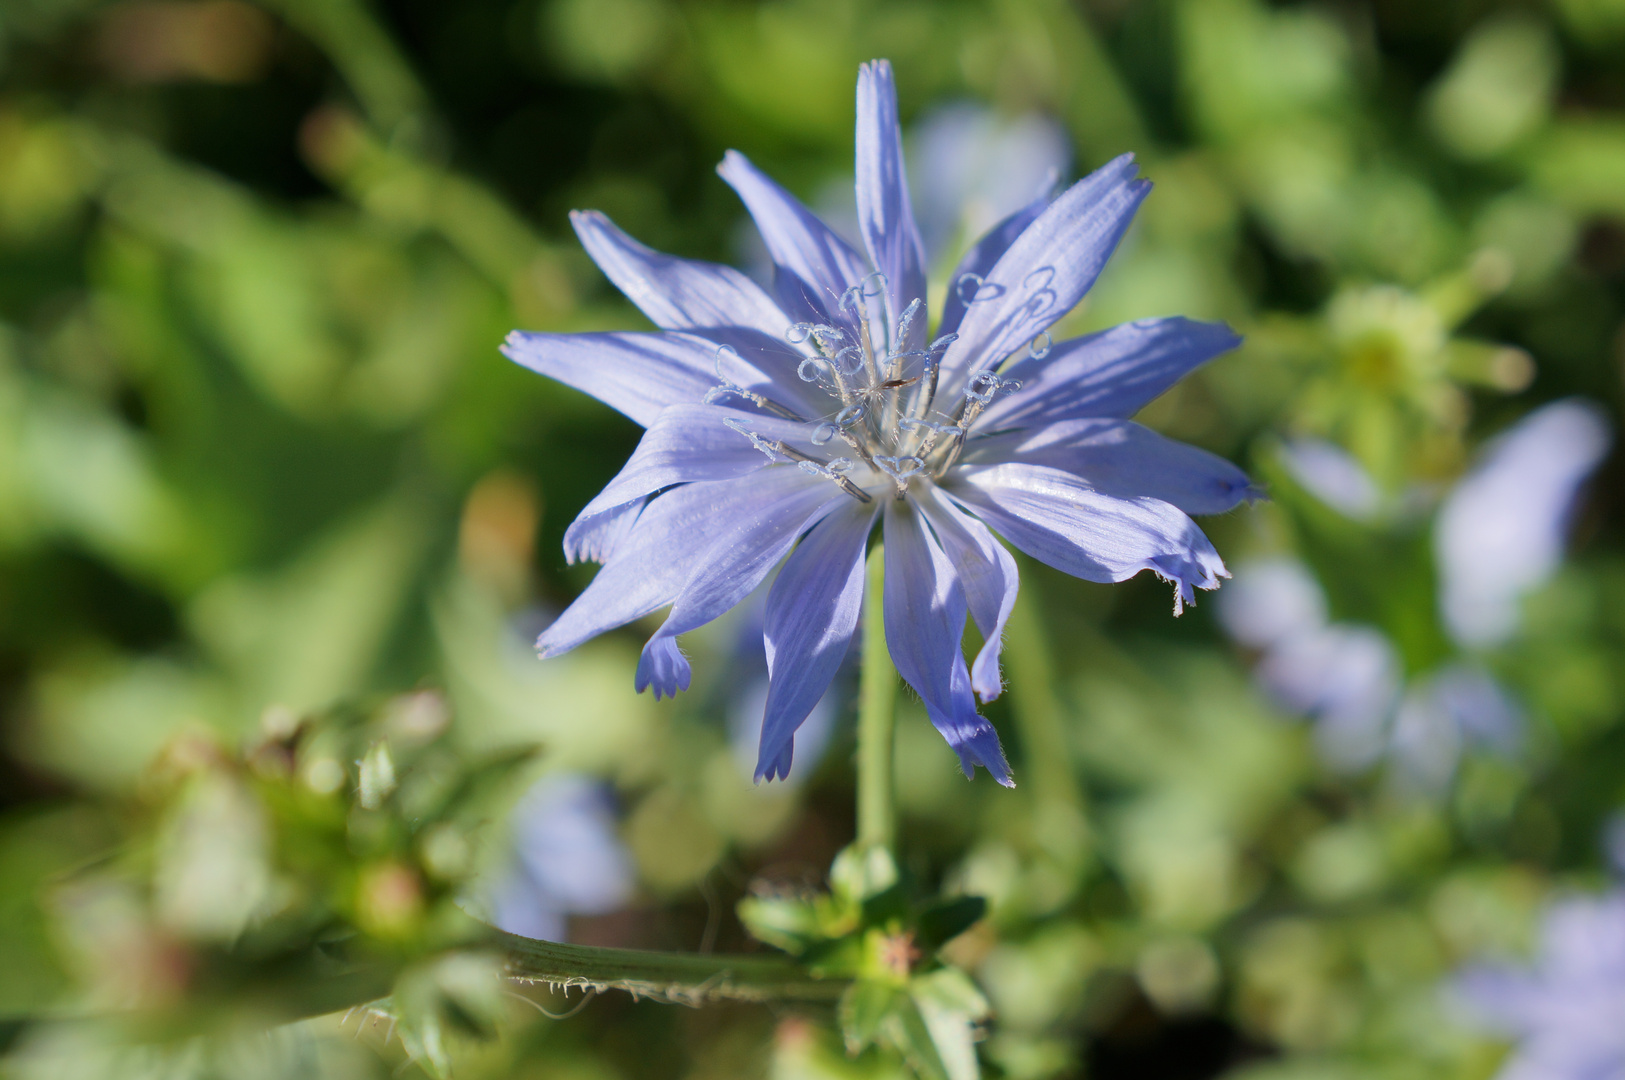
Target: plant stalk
1060 822
1037 713
877 717
681 978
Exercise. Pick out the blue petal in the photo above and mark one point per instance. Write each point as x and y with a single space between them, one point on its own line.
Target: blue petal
1345 675
1125 460
799 243
743 548
687 444
1502 531
1046 271
925 621
563 832
981 258
669 539
1113 373
885 215
637 374
812 613
1059 520
663 666
1270 600
597 538
677 294
1335 477
988 575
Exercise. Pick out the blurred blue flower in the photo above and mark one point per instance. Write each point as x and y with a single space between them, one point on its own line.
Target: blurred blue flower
809 415
1498 534
972 168
567 859
1501 531
1331 474
1564 1013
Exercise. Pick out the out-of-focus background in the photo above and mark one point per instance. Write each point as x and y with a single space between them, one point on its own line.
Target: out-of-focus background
277 523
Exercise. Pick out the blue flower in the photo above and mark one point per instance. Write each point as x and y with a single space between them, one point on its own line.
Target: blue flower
566 859
782 428
974 166
1498 534
748 688
1564 1013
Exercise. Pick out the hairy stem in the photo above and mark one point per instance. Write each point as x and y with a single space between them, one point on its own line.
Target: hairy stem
684 978
877 712
300 992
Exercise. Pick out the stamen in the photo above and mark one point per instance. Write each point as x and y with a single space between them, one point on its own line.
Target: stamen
848 416
900 469
904 325
868 351
982 386
812 370
771 449
981 390
829 471
809 369
726 387
936 431
886 416
933 368
822 336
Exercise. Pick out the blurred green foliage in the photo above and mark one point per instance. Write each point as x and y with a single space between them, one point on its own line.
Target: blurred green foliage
264 479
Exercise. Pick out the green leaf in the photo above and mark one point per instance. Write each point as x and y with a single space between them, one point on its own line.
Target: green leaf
864 1009
791 924
857 874
945 920
907 1028
951 1007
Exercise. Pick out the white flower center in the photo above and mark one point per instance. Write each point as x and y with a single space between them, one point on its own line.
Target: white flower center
889 422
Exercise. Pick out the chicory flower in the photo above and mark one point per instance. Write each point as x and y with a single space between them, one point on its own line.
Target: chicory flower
783 428
567 859
1499 533
1563 1012
974 167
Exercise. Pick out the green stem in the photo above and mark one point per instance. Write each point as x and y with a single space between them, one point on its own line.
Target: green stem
1059 815
877 713
685 978
1046 755
300 991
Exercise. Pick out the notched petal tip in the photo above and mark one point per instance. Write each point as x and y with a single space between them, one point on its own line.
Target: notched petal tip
981 747
1187 575
779 767
877 75
664 667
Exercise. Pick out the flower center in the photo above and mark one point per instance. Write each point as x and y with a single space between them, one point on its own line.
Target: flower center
890 419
